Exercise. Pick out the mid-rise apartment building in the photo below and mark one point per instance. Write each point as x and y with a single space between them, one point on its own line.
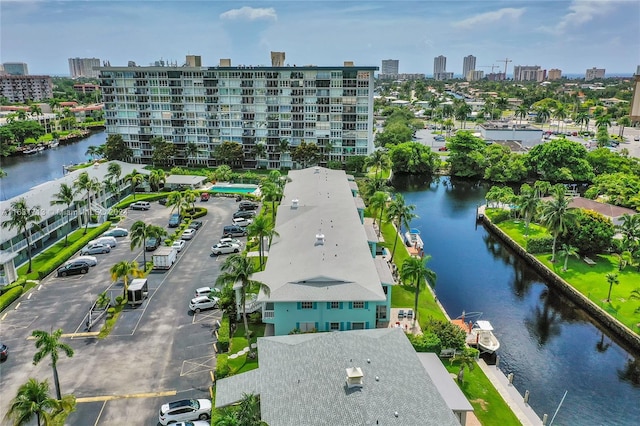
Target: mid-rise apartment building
15 68
331 107
554 74
390 66
84 67
525 72
594 73
468 64
22 88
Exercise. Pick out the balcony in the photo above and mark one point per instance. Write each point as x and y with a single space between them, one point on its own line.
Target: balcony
268 314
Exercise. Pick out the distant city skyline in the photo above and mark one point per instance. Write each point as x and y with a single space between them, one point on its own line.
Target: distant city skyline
569 35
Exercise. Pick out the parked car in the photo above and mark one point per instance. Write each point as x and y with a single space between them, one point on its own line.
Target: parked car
443 148
231 241
108 241
162 201
195 224
178 245
637 138
234 231
205 196
245 213
242 221
151 244
183 410
140 205
175 220
194 423
4 352
95 249
401 314
207 291
410 314
91 260
73 268
116 232
202 303
247 205
188 234
225 248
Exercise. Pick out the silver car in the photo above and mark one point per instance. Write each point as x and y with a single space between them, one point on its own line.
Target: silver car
96 249
225 248
91 260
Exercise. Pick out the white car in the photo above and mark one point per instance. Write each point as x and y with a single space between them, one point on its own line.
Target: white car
184 410
91 260
231 241
225 248
206 291
178 245
95 249
201 303
188 234
196 423
242 221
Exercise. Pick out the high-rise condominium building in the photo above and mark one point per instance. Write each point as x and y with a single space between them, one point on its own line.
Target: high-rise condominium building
554 74
16 68
468 64
277 59
474 75
83 67
331 107
390 66
23 88
594 73
439 65
525 72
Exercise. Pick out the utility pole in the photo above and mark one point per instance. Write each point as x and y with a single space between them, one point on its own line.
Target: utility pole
506 61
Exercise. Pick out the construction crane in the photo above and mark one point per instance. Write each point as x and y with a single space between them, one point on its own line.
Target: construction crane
493 67
506 61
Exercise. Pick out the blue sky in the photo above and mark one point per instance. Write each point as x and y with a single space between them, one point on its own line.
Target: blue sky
569 35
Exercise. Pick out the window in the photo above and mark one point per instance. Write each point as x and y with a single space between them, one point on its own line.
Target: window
358 305
357 326
334 326
307 326
335 305
306 305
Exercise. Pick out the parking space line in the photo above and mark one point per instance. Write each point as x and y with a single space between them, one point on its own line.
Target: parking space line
125 396
194 365
4 316
29 296
17 306
213 314
104 404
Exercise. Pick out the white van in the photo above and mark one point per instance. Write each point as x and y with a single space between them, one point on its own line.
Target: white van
108 241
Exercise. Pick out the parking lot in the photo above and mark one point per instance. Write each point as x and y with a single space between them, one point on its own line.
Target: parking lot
156 353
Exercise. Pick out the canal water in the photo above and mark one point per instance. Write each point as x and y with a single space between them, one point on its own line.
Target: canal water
548 345
26 171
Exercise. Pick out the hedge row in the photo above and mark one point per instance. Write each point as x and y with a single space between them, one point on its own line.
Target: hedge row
222 366
20 282
223 334
9 296
65 253
537 245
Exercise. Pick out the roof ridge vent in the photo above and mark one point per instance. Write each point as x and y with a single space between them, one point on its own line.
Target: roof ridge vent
319 239
294 203
317 169
354 377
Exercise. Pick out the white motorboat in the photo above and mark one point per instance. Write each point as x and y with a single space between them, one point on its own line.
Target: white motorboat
481 335
412 238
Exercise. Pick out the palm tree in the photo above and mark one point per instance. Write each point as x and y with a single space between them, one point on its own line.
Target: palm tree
261 227
23 218
611 280
227 417
582 118
156 177
378 202
92 151
415 269
85 183
249 410
223 173
543 114
65 197
238 268
629 227
191 151
50 345
603 121
272 192
136 178
542 188
568 250
522 112
529 203
462 112
32 399
175 200
556 216
401 215
259 151
114 171
124 269
465 359
379 159
35 110
622 123
139 233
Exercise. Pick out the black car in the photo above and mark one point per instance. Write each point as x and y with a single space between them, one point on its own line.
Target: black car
246 214
247 205
151 244
4 352
162 201
73 268
195 224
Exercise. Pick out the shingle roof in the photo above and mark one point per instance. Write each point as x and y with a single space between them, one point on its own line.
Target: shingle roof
185 180
301 380
301 269
451 393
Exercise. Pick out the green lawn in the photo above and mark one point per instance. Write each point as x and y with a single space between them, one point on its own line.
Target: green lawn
515 230
239 342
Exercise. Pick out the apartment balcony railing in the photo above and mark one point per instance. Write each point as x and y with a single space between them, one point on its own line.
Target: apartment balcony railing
268 314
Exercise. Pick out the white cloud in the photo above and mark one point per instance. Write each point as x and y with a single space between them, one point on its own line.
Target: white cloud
509 13
250 14
581 12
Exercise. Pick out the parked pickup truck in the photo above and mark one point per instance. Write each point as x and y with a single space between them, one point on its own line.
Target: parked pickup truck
164 257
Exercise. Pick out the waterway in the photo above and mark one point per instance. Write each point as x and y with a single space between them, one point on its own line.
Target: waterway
548 345
26 171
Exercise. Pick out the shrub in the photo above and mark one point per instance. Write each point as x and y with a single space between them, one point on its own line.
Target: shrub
590 233
222 366
200 211
119 300
427 342
498 215
255 317
450 335
223 334
537 245
9 296
19 283
111 312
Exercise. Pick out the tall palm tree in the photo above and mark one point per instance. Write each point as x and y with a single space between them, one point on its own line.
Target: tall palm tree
125 269
49 344
176 200
140 232
23 218
401 215
529 202
259 151
92 151
522 112
542 188
543 114
414 269
191 151
629 227
462 112
85 184
114 171
283 148
582 118
35 110
238 268
560 113
566 251
32 399
156 177
273 193
378 202
603 121
65 197
611 280
378 159
556 216
135 178
261 227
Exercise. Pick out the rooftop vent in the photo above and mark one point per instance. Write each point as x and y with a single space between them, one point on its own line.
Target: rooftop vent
354 377
317 169
319 239
96 165
294 203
